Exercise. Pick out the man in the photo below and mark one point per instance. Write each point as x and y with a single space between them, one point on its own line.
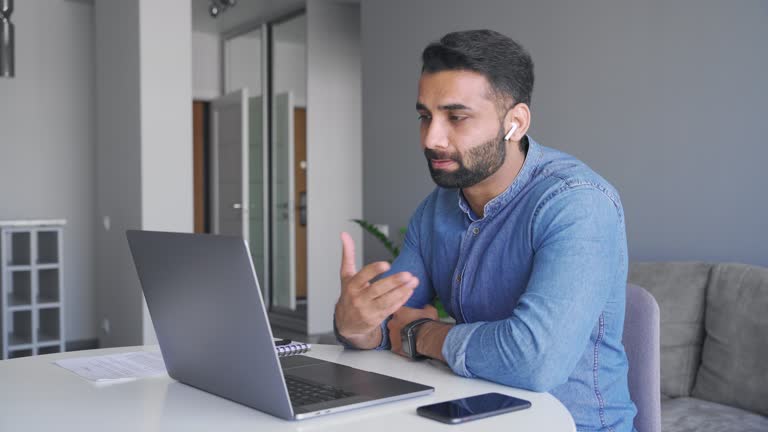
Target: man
525 246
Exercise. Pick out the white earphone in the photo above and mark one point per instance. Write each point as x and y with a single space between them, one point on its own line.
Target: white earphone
511 131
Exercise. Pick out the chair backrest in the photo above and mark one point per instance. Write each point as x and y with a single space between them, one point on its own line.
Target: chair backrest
642 345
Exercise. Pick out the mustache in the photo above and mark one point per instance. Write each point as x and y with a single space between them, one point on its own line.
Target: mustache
433 154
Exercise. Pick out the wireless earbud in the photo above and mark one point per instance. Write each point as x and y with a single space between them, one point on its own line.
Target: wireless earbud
511 131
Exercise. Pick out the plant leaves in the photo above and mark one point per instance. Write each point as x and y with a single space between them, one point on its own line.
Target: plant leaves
372 230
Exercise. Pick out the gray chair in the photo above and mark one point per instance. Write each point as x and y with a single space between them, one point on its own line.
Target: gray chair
642 345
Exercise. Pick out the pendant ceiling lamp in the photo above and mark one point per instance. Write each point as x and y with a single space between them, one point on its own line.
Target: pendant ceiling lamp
6 39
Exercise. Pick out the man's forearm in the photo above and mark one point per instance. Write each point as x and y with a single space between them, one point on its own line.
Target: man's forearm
430 338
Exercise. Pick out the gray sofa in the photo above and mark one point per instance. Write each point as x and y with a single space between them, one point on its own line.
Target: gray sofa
714 344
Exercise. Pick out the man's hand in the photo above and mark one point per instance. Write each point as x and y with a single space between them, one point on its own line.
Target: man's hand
363 305
404 316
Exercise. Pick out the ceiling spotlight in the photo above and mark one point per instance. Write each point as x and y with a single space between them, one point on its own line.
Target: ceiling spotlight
219 6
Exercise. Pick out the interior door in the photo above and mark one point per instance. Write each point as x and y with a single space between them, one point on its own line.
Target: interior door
229 165
284 216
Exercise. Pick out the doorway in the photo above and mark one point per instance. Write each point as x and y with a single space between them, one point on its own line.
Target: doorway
327 65
199 166
251 159
300 176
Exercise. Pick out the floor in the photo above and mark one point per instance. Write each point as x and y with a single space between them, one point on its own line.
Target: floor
284 333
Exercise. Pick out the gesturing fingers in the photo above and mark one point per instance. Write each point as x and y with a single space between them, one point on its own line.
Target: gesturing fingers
348 266
384 285
361 279
394 298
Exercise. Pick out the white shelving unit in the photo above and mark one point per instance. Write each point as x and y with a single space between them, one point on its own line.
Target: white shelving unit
31 274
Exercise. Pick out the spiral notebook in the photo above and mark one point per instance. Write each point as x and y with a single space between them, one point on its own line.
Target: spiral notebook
292 348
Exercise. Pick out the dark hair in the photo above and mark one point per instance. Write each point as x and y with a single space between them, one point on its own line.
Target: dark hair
505 63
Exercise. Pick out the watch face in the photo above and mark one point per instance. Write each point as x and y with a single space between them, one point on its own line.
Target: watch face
407 348
406 341
408 338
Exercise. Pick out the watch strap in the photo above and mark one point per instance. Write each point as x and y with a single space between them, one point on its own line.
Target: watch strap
408 336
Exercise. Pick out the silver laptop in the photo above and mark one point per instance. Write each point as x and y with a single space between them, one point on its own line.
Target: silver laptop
206 306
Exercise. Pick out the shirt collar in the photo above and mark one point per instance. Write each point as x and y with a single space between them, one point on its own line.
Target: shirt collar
492 207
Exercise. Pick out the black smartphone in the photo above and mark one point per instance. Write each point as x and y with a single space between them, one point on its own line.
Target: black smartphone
472 408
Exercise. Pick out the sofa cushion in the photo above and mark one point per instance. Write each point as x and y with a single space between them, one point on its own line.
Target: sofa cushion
696 415
680 291
734 362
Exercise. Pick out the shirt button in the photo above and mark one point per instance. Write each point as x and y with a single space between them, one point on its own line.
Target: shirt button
475 230
458 278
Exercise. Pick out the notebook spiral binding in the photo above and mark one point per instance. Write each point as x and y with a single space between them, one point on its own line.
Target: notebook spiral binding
292 349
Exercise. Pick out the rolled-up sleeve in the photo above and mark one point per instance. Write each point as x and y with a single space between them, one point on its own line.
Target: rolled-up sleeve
455 347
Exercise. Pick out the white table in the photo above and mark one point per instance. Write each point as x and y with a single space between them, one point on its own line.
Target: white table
36 395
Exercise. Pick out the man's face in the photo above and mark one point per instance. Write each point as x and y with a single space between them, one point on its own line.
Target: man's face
461 128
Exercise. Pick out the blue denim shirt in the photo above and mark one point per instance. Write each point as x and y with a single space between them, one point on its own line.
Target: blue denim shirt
537 285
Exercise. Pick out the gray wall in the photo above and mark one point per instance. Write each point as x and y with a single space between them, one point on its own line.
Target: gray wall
118 134
667 100
144 156
47 143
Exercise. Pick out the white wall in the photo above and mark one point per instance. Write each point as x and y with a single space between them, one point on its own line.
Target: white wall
244 59
166 123
290 58
665 99
244 63
334 173
206 66
47 142
291 70
144 151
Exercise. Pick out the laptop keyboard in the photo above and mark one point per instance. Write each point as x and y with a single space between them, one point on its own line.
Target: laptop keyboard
303 392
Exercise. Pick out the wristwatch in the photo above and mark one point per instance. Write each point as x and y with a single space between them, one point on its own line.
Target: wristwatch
408 338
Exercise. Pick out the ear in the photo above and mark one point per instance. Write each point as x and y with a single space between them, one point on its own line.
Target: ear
520 115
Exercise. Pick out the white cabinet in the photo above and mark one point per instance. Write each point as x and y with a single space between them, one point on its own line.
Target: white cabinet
31 304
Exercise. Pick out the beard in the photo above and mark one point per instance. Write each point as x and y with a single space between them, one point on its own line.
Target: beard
478 164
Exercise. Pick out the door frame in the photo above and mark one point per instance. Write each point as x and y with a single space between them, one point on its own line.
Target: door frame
288 207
